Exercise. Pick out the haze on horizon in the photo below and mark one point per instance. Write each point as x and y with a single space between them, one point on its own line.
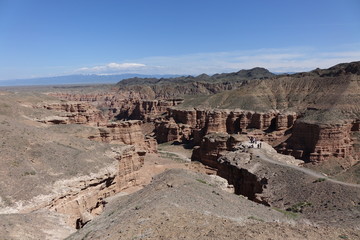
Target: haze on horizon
42 38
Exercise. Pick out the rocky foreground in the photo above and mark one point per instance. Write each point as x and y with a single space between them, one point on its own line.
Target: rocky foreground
183 205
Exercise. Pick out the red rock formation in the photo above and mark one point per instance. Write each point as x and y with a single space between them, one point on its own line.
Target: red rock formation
75 112
284 121
232 121
215 145
271 125
216 121
126 132
184 116
143 109
123 132
166 131
95 97
319 142
122 107
356 125
129 164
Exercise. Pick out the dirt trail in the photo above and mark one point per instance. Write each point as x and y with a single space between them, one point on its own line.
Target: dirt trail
264 156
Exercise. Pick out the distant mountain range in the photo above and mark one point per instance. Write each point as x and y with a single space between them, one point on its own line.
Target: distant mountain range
254 73
78 79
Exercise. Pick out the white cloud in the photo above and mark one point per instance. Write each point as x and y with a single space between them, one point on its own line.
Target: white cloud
111 68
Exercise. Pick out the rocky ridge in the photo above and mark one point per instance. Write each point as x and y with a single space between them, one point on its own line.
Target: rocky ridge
152 88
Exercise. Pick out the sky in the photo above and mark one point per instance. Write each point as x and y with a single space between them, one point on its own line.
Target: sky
42 38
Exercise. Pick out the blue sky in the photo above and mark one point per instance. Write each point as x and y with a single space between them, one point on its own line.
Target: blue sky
40 38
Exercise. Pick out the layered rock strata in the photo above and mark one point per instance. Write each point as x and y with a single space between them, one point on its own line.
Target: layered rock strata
126 132
319 142
121 132
167 131
308 141
215 145
232 121
195 123
91 97
137 109
119 107
82 198
74 113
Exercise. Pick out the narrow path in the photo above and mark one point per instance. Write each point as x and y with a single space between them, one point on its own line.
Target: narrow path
179 155
263 156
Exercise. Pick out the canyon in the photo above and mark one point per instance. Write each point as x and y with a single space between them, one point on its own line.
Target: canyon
269 107
64 171
308 141
81 154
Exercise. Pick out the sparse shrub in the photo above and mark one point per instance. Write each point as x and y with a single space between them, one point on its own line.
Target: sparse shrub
216 193
319 180
287 213
29 173
298 207
255 218
171 156
201 181
15 163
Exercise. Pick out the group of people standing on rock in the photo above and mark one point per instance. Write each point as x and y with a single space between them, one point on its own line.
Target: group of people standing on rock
258 144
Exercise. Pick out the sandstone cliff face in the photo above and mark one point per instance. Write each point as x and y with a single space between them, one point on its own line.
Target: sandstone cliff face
74 113
148 110
95 97
126 132
167 131
308 141
244 181
213 151
215 145
121 132
117 106
232 121
319 142
272 125
83 198
272 183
